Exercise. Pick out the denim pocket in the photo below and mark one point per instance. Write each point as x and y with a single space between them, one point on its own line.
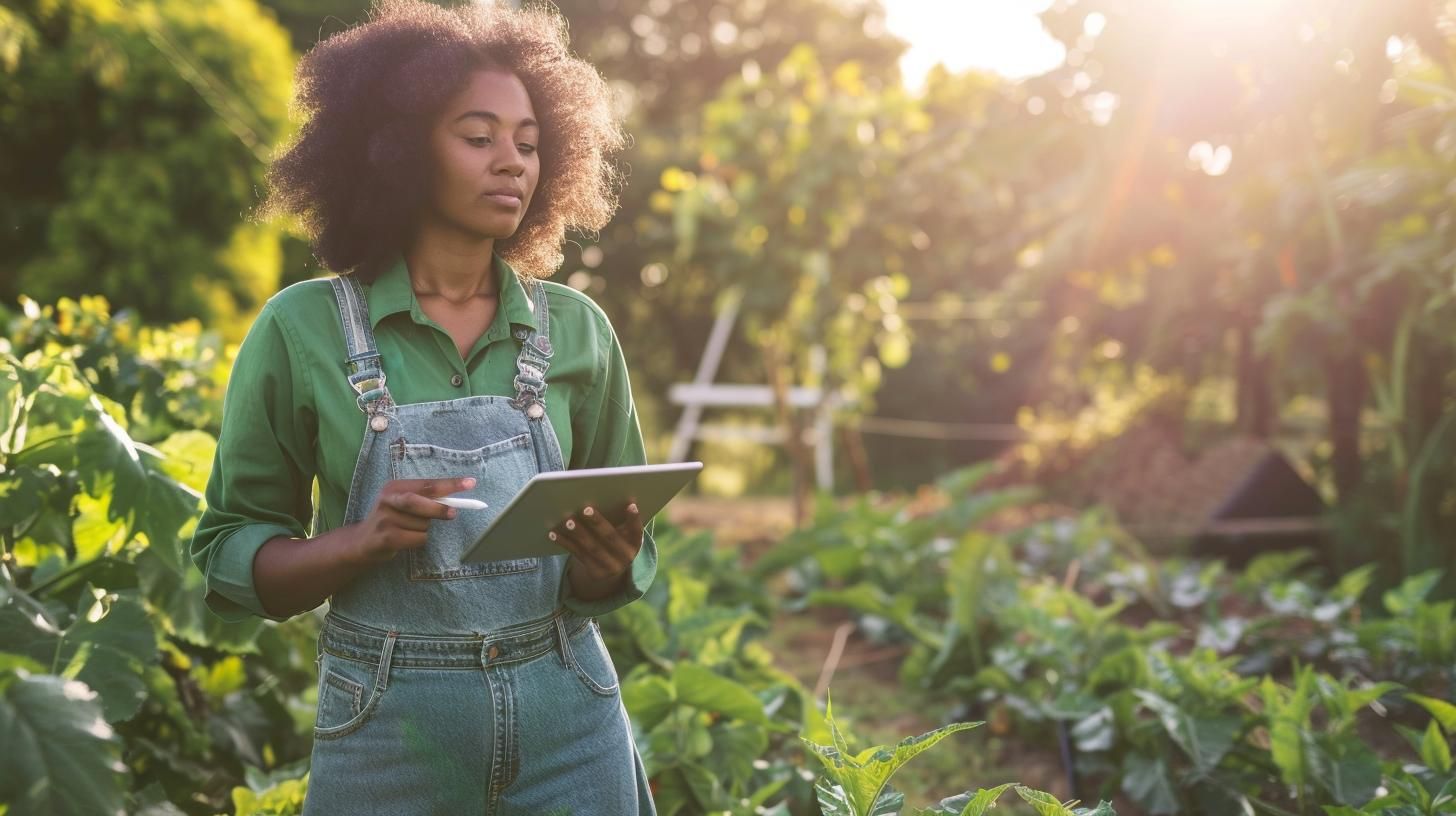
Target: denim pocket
501 469
591 660
346 696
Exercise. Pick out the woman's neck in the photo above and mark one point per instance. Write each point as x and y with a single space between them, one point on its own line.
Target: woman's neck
452 266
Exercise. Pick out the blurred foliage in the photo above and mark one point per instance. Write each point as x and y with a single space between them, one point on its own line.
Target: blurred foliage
134 137
135 695
1178 685
1244 206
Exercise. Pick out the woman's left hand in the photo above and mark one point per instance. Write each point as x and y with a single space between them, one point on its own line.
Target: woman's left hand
601 553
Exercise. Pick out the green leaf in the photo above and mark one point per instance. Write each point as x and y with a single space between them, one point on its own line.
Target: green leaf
60 755
648 700
106 648
1404 599
188 458
685 594
23 491
108 459
641 624
1444 712
865 774
169 505
1204 739
1354 583
967 804
833 801
1146 781
94 533
1043 803
1347 769
1289 712
177 600
702 688
735 747
872 600
1435 750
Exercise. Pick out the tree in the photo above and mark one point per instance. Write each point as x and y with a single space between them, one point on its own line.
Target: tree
134 137
1244 200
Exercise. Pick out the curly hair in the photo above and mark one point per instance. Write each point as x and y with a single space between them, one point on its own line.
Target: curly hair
357 174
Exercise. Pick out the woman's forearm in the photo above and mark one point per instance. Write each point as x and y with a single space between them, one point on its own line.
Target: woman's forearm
294 575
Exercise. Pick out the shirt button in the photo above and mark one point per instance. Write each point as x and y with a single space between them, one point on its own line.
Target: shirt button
457 380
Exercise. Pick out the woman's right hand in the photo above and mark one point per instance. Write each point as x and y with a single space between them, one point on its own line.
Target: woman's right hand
402 514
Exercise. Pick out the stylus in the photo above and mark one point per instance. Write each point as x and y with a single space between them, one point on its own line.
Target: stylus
463 504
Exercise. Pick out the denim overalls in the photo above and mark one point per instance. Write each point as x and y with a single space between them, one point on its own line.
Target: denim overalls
463 688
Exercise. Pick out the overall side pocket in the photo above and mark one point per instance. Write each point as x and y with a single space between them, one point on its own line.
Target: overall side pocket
348 694
591 660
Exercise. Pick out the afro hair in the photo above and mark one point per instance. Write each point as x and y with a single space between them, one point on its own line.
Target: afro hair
357 173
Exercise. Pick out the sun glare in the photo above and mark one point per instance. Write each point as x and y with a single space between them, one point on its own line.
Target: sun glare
1002 36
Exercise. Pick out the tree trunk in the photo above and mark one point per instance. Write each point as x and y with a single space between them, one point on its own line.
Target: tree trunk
859 460
1255 401
1345 385
778 369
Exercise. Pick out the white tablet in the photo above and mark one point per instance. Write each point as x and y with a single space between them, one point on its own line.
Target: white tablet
549 498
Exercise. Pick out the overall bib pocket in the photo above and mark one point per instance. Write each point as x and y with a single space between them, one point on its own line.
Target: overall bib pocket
501 469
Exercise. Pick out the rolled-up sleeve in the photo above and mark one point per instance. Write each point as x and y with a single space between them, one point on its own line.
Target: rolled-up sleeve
608 434
262 475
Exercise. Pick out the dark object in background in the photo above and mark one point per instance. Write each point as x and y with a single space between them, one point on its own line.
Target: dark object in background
1237 498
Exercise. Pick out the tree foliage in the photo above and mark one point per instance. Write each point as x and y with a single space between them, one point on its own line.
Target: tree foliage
135 136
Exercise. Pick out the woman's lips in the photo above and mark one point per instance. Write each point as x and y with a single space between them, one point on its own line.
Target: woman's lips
504 199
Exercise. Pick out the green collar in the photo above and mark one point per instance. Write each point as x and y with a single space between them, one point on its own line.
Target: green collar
391 292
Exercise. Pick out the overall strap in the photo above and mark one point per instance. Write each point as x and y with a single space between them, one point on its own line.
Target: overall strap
363 363
534 359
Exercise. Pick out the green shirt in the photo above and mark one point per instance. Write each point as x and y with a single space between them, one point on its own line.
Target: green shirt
290 416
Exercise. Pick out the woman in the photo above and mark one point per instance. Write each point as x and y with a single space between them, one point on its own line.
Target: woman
444 155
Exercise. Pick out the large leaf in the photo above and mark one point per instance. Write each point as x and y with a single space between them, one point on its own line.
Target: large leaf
107 648
22 490
188 457
872 600
1047 805
1444 712
169 505
641 624
134 480
864 775
735 747
702 688
61 757
834 802
1288 711
1347 769
648 700
177 599
1204 739
1435 750
968 804
1146 781
1404 599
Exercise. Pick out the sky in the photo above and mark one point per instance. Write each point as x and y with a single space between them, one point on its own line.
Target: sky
1003 36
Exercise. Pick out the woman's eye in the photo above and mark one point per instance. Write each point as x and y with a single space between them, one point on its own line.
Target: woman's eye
477 141
527 148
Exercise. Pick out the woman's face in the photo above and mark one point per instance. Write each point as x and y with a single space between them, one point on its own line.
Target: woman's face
485 159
